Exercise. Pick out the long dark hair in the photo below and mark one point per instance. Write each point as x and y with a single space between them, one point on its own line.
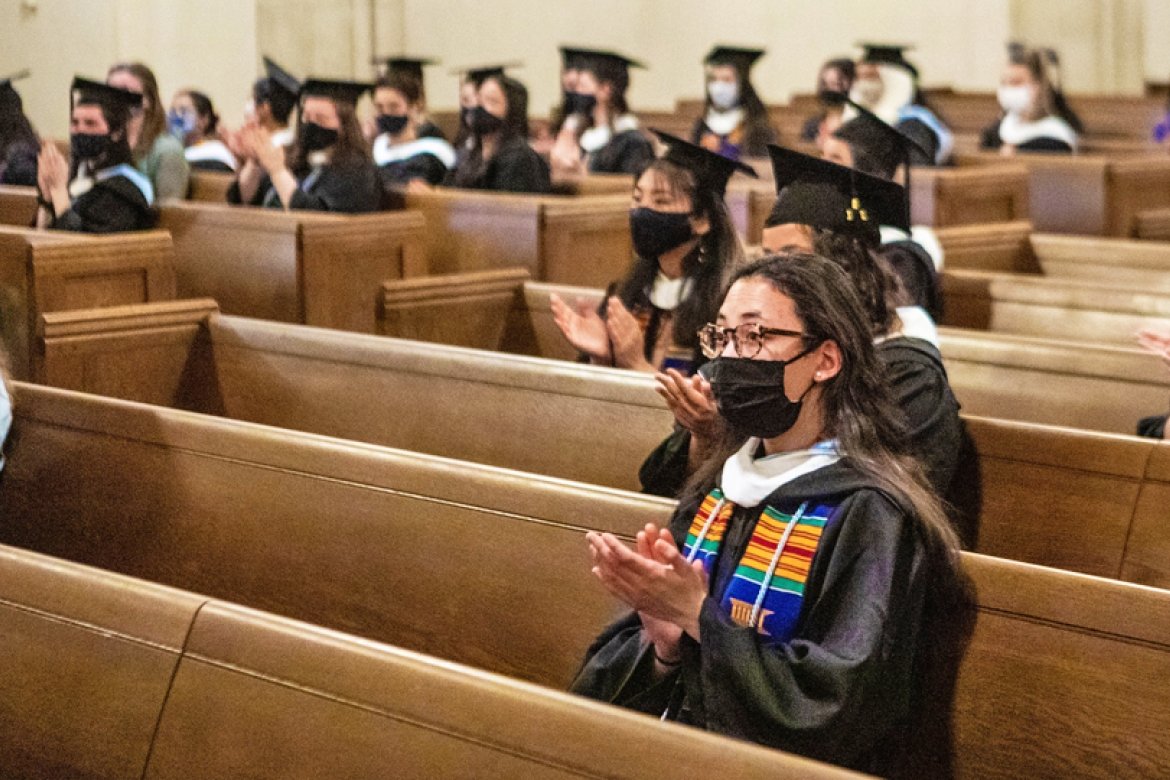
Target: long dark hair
404 84
119 151
471 168
154 119
205 110
617 75
709 267
280 102
1044 66
858 409
877 286
14 125
351 148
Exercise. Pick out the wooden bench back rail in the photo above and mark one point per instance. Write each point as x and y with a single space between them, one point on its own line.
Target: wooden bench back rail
1073 654
1001 246
210 186
109 676
18 205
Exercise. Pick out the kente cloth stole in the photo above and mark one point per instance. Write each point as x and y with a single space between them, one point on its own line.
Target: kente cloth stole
767 589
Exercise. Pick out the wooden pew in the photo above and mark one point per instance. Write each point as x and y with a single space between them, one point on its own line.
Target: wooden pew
210 186
1070 309
580 240
18 205
1089 194
1074 655
108 676
45 271
307 267
559 419
1001 246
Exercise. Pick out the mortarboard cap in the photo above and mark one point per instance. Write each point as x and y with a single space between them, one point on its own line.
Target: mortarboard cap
711 170
888 54
741 58
88 91
281 79
9 97
821 194
412 66
342 91
477 74
598 60
884 147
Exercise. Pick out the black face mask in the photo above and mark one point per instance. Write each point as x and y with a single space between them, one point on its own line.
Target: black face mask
576 103
467 117
750 395
657 232
392 123
88 146
484 122
314 137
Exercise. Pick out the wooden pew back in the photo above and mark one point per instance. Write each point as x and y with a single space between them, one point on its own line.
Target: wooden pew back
210 186
1138 265
1001 246
18 205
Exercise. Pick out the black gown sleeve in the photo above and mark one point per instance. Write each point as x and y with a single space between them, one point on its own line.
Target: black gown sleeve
757 137
426 167
664 472
1045 145
111 206
698 130
1152 427
20 167
914 267
918 131
517 168
234 197
349 189
989 136
629 152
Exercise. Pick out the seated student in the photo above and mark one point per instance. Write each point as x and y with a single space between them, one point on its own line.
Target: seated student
871 146
19 144
807 573
609 139
1031 121
400 152
736 123
192 119
102 191
887 85
157 153
328 167
836 76
498 157
1156 341
274 98
569 118
412 68
686 250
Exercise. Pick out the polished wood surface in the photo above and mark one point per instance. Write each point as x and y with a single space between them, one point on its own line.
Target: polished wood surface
18 205
210 186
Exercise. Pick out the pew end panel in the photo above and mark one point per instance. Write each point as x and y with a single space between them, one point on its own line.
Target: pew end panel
944 197
585 241
1001 246
343 263
1147 558
603 184
550 342
18 205
156 353
477 231
1135 184
473 310
88 659
113 270
1152 225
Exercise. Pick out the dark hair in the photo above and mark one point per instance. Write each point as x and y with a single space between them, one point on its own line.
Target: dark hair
204 109
351 144
617 75
154 119
117 117
280 103
876 284
471 168
403 83
708 267
847 67
14 125
859 412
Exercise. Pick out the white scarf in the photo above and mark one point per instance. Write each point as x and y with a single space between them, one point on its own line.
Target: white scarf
747 481
667 293
723 123
210 150
1015 130
386 152
596 137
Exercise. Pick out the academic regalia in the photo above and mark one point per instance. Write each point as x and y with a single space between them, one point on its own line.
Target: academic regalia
429 129
210 155
915 268
830 668
412 67
119 200
1050 134
898 107
619 147
18 166
515 167
729 131
427 159
353 188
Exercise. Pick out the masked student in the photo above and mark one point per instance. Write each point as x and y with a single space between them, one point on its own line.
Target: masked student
569 118
608 135
496 155
887 85
327 168
19 144
192 119
1033 120
735 124
686 249
99 190
835 77
157 153
411 68
798 598
274 98
401 152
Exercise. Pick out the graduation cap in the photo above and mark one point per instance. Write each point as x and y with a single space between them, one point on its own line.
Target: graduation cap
411 66
281 79
821 194
598 60
8 94
739 58
888 54
341 91
711 170
88 91
478 74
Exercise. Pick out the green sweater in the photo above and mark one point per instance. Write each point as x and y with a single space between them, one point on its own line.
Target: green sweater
166 167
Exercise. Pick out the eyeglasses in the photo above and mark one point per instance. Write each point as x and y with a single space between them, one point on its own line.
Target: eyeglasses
747 340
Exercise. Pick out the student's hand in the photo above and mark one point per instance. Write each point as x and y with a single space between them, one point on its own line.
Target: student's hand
692 403
52 167
664 587
369 129
1007 150
664 635
269 157
1156 342
627 337
419 185
234 141
582 326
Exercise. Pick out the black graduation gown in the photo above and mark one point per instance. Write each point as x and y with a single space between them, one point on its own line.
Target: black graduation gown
217 166
989 139
1153 427
19 165
429 129
915 267
423 166
627 152
114 205
515 167
841 689
351 188
919 131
